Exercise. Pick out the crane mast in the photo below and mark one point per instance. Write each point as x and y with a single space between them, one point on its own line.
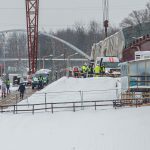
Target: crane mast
106 16
32 13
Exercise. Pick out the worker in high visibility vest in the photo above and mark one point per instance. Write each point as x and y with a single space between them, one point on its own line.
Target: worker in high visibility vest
7 82
84 70
40 85
97 70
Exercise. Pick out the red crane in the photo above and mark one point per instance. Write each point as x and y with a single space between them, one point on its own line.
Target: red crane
32 13
105 15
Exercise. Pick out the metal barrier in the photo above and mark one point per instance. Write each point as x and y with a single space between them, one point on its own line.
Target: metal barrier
81 100
71 106
53 107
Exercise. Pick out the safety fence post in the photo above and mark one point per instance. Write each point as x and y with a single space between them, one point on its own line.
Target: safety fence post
114 103
81 94
1 109
16 99
45 102
136 103
14 109
33 109
52 107
74 107
16 104
95 105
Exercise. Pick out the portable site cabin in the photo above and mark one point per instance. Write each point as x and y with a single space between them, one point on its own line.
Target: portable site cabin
135 77
142 55
15 78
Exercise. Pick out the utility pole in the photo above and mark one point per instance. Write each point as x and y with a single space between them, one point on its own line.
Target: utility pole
106 16
32 13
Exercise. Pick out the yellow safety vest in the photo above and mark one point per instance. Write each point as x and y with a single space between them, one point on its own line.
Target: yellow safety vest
84 69
97 69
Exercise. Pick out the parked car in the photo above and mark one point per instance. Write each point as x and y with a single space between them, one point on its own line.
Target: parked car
35 79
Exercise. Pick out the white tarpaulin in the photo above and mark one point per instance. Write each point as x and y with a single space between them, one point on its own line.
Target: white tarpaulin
111 46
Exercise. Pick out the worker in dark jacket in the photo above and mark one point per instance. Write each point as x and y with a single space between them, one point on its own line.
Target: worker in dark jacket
40 85
84 70
21 90
103 69
90 71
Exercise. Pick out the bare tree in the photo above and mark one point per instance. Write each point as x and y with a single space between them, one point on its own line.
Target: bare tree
137 17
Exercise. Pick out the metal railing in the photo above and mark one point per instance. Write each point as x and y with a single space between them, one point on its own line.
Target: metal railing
81 100
54 107
73 106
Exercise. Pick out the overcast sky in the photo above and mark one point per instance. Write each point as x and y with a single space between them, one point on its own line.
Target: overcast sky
55 14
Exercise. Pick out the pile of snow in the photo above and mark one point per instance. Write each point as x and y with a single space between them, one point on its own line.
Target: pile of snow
69 90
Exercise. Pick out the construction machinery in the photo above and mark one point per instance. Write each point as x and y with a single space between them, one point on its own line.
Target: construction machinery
32 14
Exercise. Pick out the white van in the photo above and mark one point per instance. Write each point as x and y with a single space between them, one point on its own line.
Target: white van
110 63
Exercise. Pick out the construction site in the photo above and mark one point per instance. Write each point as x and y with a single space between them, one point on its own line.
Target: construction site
53 92
122 46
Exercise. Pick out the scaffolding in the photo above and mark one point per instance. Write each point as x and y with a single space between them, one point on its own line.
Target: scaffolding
135 81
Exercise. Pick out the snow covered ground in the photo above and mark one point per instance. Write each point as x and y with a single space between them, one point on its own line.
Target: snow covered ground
68 89
121 129
74 89
109 129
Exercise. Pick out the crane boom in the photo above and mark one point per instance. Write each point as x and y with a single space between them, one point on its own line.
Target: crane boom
32 13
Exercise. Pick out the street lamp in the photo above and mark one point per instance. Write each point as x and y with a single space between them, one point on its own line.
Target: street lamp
68 64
